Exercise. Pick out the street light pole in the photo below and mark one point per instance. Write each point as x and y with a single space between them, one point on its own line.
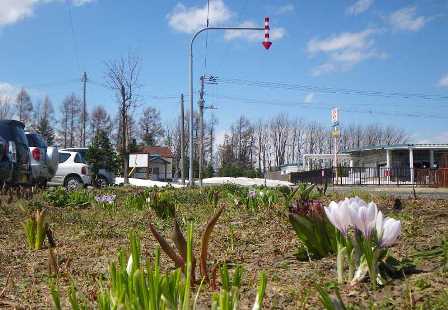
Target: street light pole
190 175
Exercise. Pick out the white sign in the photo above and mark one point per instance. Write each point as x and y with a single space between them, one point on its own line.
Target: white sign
334 116
138 160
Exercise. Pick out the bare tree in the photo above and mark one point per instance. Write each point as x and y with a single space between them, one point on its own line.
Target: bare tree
151 129
24 107
279 136
100 120
122 76
70 120
6 110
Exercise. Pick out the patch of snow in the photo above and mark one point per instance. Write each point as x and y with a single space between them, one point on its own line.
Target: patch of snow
146 183
210 181
245 181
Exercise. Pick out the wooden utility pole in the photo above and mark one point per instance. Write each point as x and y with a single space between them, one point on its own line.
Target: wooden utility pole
124 136
182 139
201 129
84 109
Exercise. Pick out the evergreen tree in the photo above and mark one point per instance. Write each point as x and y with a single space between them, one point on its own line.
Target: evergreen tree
44 118
101 154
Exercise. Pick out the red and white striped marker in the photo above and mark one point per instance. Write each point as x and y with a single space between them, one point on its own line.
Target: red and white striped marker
266 43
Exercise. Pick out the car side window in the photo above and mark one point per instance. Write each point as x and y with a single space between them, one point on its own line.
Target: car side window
78 159
63 157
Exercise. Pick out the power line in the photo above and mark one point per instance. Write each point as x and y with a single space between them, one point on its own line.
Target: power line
330 90
321 106
75 44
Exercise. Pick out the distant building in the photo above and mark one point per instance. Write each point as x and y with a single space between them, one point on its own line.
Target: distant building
400 155
152 163
423 164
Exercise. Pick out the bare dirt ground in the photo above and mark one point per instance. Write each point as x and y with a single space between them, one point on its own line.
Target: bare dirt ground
89 238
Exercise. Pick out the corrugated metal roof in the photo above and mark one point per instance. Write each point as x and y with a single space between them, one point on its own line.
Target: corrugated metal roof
428 146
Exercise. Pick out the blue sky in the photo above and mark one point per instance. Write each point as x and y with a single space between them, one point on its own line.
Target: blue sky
367 45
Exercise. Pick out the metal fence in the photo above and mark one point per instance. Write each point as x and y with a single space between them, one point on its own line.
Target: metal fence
373 176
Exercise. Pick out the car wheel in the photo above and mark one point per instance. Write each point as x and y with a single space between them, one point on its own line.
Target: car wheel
101 182
73 183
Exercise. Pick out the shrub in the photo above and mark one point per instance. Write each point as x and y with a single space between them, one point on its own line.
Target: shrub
60 197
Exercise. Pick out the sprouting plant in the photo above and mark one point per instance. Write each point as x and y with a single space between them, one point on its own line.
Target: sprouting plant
330 302
60 197
180 258
228 297
312 227
55 294
161 203
440 251
262 282
134 283
57 197
80 198
213 197
302 192
35 228
137 201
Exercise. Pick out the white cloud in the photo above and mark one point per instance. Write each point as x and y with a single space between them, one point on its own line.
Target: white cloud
250 35
190 19
344 50
285 9
443 82
407 19
8 90
441 137
81 2
359 7
12 11
309 98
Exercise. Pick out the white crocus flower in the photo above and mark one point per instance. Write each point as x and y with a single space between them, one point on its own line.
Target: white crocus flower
364 216
390 232
339 215
129 266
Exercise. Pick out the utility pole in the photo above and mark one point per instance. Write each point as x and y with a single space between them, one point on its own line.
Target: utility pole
182 139
201 129
84 109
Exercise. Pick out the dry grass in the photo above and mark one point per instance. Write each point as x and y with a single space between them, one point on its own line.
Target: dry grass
89 238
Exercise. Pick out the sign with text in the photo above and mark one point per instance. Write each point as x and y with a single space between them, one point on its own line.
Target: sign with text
334 116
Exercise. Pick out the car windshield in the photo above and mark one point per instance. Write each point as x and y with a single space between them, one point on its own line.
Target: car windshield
35 140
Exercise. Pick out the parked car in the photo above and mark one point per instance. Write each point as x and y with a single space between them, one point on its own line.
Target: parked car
6 165
15 151
73 172
44 159
104 177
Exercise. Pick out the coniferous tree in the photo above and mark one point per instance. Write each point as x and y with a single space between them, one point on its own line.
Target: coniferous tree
44 119
100 154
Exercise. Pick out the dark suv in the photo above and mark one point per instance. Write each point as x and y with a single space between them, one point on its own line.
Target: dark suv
14 153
